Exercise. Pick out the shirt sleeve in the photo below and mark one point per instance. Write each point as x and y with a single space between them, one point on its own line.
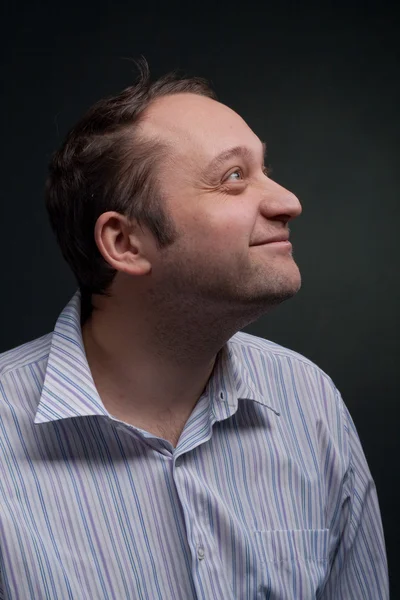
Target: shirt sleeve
359 564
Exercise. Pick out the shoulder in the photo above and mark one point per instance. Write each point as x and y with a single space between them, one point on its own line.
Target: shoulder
22 356
294 381
22 373
267 349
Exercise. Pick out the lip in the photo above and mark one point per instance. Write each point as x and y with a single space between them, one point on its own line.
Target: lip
283 246
278 237
277 244
283 243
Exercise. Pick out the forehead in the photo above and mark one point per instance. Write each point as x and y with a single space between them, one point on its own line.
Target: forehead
193 124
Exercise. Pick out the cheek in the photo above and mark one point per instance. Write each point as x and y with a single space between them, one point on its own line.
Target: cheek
233 214
235 229
226 227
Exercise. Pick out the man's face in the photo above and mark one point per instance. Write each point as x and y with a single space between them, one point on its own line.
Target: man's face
221 208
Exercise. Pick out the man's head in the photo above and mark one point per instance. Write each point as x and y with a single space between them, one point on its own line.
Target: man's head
167 163
105 164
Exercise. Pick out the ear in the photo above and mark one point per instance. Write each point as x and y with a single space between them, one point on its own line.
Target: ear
119 245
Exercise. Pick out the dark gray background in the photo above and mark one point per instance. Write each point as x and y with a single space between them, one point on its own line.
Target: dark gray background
318 83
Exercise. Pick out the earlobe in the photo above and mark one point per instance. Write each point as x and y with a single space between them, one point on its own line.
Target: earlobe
137 265
126 259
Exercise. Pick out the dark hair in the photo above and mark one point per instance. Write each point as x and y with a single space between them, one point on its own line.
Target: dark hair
105 164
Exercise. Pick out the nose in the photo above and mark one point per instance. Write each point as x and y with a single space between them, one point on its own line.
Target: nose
279 203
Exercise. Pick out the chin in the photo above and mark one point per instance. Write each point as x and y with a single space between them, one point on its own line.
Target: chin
281 296
284 289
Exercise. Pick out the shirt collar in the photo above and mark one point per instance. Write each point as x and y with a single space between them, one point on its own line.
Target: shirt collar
69 390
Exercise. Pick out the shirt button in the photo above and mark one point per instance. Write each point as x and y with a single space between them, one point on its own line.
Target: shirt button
200 553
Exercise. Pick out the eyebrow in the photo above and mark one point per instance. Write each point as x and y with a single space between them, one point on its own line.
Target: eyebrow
236 152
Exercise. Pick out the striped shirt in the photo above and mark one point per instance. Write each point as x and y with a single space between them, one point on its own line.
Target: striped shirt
266 495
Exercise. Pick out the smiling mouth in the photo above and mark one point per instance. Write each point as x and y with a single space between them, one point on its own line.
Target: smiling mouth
283 243
286 242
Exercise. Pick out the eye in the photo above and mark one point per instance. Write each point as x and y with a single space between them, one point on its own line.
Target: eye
235 175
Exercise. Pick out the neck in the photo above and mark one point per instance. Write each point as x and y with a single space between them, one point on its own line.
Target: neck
144 371
151 350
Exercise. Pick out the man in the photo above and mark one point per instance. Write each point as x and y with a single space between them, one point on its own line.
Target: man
149 448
